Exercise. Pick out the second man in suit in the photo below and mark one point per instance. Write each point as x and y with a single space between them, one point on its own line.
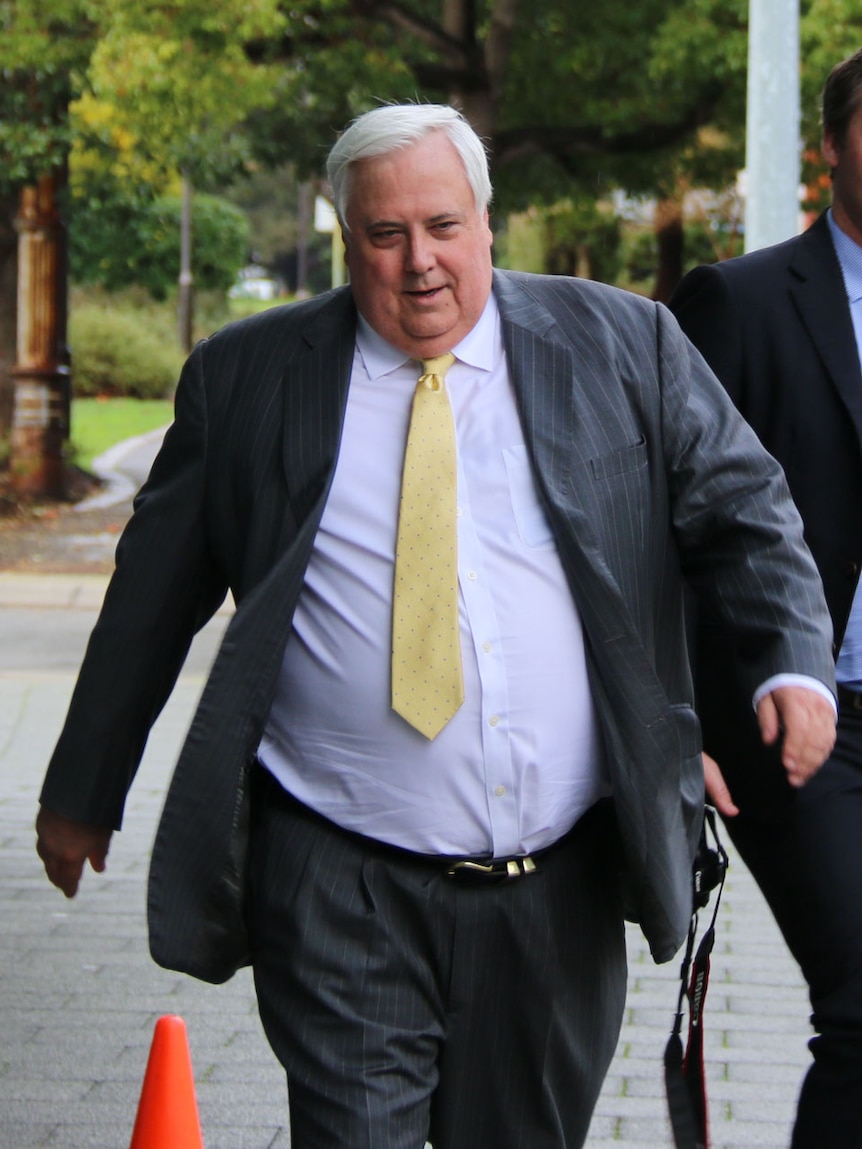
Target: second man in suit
426 849
782 329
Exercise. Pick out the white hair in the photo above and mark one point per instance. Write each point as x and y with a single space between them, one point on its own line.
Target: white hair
393 126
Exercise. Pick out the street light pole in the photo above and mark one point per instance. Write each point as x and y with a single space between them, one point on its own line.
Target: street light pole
772 160
186 279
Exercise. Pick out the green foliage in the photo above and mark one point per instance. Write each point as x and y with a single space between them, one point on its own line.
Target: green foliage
520 246
116 352
573 98
220 244
180 80
129 239
706 241
583 239
830 30
571 237
45 47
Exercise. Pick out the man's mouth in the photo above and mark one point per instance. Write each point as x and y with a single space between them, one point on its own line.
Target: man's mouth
425 293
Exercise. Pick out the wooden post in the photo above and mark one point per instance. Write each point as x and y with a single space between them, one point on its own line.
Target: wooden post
40 416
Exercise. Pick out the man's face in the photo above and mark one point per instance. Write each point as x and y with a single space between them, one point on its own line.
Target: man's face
418 249
846 165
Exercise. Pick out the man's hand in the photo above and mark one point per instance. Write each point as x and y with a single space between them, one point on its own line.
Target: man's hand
716 788
64 845
807 722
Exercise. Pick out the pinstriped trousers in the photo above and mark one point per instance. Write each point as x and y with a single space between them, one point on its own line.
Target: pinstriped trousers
408 1006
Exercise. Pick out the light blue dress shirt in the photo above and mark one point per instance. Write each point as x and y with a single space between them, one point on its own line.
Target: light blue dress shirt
848 670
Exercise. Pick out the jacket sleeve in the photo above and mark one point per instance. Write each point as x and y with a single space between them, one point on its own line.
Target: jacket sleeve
164 588
739 532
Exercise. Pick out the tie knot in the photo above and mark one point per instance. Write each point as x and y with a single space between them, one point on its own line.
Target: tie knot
435 369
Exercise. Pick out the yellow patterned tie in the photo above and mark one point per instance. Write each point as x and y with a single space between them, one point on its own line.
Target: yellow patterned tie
427 684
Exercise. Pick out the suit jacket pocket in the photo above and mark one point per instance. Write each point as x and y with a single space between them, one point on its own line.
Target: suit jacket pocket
628 458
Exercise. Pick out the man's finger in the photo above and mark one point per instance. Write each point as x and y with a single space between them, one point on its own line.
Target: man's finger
717 789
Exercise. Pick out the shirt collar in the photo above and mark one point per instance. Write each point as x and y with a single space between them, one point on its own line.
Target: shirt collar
849 257
480 348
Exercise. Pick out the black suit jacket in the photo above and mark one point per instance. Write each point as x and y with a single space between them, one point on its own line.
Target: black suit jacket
637 454
775 327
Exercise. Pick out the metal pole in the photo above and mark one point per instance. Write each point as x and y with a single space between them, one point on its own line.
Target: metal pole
772 124
303 227
186 280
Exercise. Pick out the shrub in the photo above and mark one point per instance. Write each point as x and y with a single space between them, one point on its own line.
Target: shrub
117 353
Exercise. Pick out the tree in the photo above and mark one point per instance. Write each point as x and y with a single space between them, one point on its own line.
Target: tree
138 241
575 100
829 31
44 51
178 80
566 94
181 84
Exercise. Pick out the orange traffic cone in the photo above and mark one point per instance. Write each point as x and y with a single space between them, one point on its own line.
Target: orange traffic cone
168 1110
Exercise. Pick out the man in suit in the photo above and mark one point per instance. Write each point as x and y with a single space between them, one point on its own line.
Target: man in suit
782 329
433 907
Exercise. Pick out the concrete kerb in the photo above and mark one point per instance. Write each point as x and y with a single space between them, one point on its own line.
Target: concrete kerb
118 485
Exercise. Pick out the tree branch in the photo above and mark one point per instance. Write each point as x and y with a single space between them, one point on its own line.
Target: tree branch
568 145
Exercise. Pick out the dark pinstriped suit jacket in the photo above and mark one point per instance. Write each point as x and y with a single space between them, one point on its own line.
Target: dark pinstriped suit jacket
648 477
775 326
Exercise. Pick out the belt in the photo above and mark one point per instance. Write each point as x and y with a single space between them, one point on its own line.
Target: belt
496 869
849 699
479 870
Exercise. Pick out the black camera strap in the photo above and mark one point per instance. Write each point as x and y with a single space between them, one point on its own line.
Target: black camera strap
685 1080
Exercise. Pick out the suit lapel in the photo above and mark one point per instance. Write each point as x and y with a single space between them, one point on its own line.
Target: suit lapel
543 365
316 381
818 294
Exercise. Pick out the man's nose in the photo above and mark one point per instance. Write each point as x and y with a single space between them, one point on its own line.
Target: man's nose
420 256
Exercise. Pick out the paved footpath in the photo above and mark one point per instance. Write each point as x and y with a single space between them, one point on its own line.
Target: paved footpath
79 995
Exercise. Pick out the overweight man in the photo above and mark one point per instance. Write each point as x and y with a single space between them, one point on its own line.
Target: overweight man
448 742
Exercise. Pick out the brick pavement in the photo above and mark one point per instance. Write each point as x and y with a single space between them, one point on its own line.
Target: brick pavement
79 995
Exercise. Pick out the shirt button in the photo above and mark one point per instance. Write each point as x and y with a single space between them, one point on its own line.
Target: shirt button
499 791
494 720
471 575
486 646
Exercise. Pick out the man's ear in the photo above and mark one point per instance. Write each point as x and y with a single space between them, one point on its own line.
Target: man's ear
829 149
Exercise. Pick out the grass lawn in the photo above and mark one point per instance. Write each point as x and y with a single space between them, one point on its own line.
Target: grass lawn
98 424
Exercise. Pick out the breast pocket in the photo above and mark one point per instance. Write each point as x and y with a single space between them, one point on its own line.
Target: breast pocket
532 523
632 457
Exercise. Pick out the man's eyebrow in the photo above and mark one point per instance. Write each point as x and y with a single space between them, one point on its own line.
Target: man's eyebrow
438 218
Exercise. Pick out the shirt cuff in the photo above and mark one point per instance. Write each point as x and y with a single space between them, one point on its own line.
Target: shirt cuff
795 680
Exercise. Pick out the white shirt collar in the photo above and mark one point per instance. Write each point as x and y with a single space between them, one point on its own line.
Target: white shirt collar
479 348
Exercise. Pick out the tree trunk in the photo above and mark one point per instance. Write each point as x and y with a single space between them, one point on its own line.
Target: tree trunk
8 307
669 239
41 412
